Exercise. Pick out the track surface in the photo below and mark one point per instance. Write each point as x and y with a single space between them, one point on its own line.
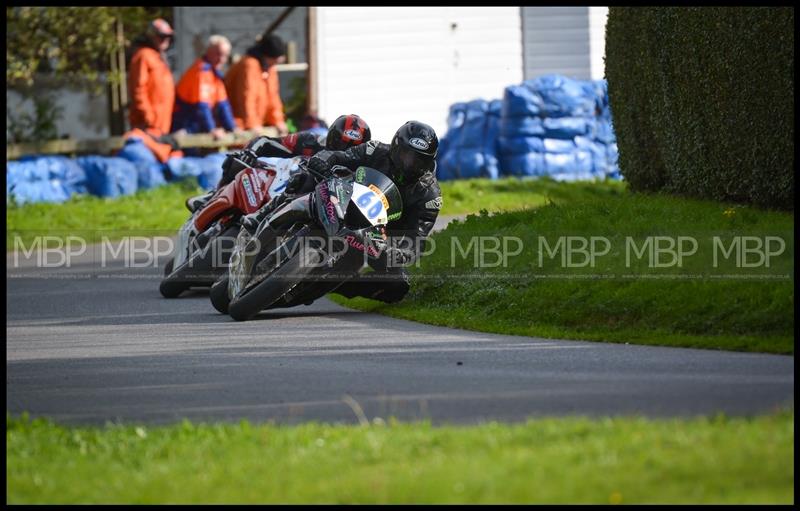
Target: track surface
88 344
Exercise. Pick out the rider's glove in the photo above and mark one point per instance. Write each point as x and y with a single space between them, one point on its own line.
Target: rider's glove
318 165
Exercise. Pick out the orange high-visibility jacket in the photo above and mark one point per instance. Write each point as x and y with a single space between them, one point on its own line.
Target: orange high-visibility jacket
152 91
201 102
255 100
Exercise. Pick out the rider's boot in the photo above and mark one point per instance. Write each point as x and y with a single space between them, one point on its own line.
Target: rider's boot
251 221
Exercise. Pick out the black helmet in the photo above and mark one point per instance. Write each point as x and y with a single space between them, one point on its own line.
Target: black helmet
347 131
413 151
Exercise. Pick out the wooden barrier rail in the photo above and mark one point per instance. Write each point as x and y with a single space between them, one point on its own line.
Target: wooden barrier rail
107 145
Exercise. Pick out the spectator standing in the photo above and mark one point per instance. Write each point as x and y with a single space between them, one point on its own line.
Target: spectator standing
150 82
201 102
254 88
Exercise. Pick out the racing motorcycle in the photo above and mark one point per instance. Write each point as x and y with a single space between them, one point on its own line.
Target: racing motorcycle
309 246
205 241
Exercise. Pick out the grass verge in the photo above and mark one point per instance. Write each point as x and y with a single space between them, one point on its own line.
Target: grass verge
704 299
509 194
156 210
575 460
162 209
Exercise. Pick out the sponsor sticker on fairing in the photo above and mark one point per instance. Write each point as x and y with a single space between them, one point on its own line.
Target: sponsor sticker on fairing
380 195
248 190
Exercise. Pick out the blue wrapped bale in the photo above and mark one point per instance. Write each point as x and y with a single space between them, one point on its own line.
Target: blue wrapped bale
603 131
211 167
520 145
472 131
555 145
520 101
566 128
44 179
109 176
527 164
446 164
598 152
490 151
521 126
468 149
470 161
29 192
150 170
180 168
577 163
564 97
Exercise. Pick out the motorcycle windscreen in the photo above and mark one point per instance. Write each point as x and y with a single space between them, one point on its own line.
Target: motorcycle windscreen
284 169
376 196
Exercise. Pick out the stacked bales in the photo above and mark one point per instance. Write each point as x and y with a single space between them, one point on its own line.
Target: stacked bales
207 170
469 147
43 179
559 127
109 176
550 126
150 171
34 179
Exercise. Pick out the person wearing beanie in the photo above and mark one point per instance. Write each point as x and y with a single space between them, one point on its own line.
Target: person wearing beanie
150 81
254 88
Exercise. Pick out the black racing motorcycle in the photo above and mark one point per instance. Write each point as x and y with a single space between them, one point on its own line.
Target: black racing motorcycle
309 246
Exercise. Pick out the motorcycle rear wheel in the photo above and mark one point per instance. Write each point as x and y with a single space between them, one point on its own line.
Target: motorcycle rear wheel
176 282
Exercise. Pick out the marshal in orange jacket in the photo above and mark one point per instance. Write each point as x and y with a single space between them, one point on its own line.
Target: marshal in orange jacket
152 91
201 102
255 99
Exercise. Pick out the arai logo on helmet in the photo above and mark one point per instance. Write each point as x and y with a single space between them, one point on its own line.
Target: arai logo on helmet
418 143
353 134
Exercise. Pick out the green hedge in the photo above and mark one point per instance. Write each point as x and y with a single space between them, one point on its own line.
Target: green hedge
703 100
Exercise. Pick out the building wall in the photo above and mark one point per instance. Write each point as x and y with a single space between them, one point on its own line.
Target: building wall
84 116
556 40
393 64
193 26
598 16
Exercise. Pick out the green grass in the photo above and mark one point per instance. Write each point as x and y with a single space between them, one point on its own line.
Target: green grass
696 305
575 460
159 210
473 195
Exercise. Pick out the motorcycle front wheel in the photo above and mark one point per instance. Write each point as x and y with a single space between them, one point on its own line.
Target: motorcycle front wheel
219 295
282 280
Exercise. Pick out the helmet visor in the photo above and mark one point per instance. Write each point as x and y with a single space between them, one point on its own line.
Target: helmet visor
412 163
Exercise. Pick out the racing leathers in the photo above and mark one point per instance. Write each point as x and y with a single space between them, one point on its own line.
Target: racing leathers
422 200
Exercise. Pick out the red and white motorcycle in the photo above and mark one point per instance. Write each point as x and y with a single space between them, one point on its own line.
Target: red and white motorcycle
206 240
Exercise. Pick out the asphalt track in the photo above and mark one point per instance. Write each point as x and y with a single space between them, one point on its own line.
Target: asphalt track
93 344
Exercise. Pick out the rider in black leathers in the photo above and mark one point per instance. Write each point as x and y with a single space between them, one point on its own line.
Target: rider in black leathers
410 162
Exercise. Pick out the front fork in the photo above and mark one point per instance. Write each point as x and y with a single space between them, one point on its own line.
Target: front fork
248 246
